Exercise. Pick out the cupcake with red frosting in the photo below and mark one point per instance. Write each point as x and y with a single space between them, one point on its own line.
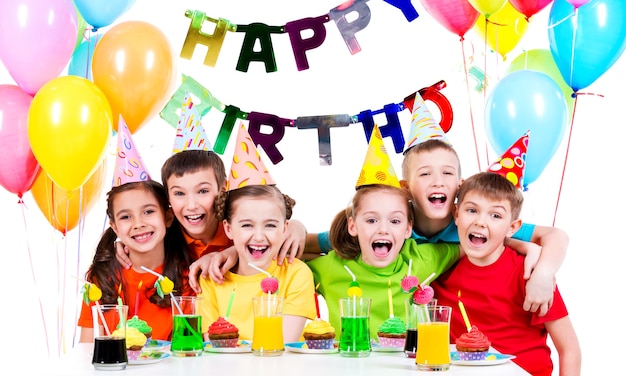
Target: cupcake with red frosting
222 333
473 345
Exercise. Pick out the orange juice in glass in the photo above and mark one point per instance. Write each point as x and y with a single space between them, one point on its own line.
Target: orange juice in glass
433 339
267 336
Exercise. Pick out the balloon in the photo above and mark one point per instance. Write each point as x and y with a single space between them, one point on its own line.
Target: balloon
458 16
82 27
37 39
577 3
80 65
100 13
503 30
18 166
529 7
541 60
62 208
139 84
588 43
488 7
523 101
69 124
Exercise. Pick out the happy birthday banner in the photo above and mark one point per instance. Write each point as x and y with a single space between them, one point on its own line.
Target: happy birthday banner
262 33
323 123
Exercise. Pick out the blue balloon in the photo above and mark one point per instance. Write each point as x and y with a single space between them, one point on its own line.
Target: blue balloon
527 100
80 63
100 13
587 41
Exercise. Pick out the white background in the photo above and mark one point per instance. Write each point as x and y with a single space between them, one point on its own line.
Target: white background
397 58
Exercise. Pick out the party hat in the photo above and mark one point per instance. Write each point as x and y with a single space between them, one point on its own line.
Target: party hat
247 167
512 163
128 165
190 134
423 126
377 168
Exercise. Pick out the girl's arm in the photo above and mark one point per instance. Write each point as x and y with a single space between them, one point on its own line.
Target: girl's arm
292 327
86 334
565 341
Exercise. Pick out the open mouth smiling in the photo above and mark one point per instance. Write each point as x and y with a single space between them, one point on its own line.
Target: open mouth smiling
438 198
381 247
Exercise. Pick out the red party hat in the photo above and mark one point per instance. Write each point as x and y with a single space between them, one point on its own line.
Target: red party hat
512 163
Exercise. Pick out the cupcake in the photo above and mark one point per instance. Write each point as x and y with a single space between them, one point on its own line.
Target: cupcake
140 325
135 340
319 334
473 345
223 334
392 333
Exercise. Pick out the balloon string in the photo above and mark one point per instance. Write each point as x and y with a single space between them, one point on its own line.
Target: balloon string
469 99
485 91
32 271
569 139
563 20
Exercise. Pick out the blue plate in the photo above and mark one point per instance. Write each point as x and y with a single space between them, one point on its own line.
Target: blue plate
301 347
157 345
491 359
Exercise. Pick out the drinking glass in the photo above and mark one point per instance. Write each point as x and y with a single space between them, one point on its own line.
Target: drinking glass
433 338
109 328
412 311
187 326
267 336
355 327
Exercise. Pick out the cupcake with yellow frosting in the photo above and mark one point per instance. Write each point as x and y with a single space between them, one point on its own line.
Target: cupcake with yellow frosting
142 326
319 334
135 340
392 333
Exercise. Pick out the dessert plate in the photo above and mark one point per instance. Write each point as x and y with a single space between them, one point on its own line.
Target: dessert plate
242 347
149 357
301 347
491 359
157 345
377 347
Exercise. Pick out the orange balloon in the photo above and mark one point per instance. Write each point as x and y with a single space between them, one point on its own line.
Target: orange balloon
62 208
133 64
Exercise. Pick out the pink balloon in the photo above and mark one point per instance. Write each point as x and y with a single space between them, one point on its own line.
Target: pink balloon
458 16
18 166
529 7
37 39
577 3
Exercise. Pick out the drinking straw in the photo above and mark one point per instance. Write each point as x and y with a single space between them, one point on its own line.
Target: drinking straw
389 298
427 280
350 271
259 269
353 307
230 303
180 311
464 314
104 322
410 264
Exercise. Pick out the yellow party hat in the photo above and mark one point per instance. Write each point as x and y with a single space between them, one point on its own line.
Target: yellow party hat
377 168
247 167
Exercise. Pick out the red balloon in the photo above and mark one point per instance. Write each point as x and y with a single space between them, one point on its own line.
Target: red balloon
529 7
458 16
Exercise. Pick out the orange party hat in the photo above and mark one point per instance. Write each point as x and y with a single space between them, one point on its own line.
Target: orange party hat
128 165
190 134
247 167
423 126
512 163
377 168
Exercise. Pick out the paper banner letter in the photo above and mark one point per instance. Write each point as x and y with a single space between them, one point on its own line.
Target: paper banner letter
392 129
232 113
268 141
349 29
171 110
433 94
299 45
323 125
406 7
262 33
213 41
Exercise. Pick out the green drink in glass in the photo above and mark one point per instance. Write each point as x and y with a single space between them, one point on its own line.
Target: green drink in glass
187 327
355 327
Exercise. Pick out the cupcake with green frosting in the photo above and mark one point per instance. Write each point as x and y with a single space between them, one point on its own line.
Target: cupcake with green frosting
392 333
142 326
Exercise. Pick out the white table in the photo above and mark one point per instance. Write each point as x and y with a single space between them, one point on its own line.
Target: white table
78 362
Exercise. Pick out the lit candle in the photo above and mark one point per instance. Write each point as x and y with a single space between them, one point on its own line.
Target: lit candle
137 297
389 298
317 303
464 314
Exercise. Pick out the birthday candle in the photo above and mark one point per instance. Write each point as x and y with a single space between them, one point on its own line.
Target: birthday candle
137 297
464 314
317 303
389 298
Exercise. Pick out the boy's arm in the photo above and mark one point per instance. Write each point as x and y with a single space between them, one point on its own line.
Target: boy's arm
541 283
213 264
312 248
294 244
565 341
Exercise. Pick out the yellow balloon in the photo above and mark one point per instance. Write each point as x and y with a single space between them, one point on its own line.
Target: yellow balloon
64 209
488 7
69 125
503 29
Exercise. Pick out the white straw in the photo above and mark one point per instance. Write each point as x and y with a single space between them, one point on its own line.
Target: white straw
427 280
104 322
410 264
259 269
180 311
350 271
152 272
